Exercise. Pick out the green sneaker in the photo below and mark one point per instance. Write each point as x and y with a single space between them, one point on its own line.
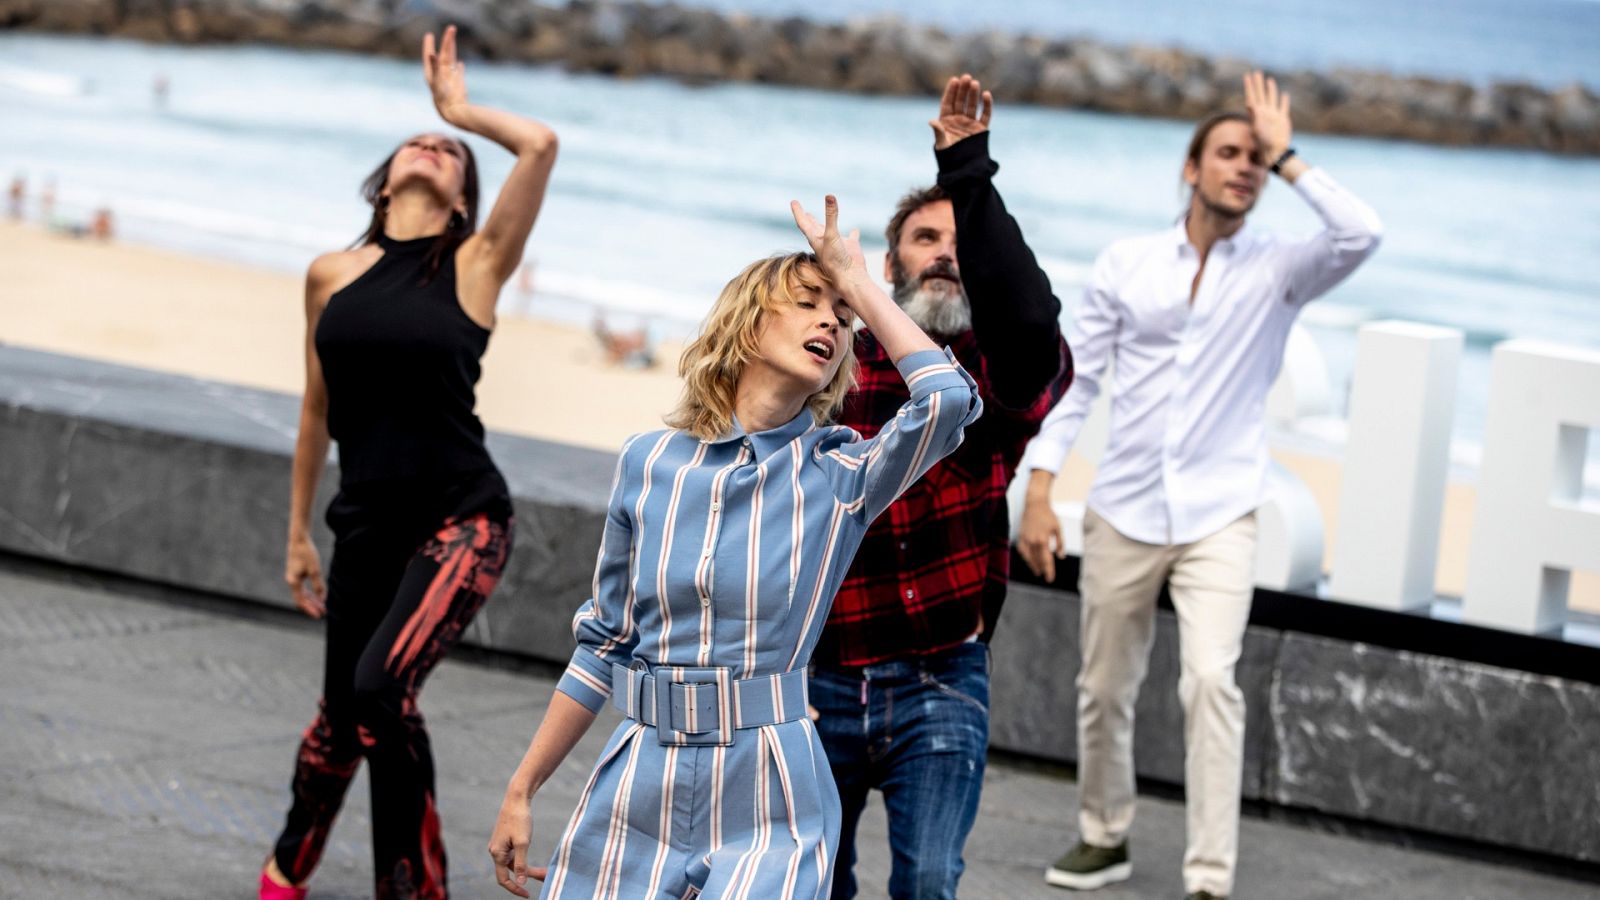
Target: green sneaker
1086 867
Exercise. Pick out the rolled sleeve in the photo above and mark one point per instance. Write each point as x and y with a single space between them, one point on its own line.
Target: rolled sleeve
928 372
587 679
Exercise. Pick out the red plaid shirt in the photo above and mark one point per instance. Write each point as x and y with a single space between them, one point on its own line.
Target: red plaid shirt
935 566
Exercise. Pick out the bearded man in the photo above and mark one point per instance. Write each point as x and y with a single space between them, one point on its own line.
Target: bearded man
900 680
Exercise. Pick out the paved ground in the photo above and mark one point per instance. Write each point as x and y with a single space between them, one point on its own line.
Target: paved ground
146 742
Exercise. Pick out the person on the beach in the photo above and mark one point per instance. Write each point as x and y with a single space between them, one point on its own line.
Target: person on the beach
901 676
395 329
631 349
102 226
725 540
47 204
525 280
16 198
1196 318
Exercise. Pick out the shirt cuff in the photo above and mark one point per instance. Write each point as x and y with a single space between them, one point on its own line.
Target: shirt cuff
930 371
587 680
1045 455
1314 184
965 160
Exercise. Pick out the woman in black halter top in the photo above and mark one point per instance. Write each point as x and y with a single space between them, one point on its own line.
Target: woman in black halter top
422 521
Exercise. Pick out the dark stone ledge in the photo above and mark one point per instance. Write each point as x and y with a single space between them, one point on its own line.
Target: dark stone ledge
187 482
1423 742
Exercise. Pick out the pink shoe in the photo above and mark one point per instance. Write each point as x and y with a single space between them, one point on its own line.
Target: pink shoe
270 890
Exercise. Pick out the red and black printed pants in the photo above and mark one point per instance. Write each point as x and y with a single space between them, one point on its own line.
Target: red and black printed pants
393 612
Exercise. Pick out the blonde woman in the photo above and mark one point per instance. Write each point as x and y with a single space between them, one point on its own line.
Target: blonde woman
725 540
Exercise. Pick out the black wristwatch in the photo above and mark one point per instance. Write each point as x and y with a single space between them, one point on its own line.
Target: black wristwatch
1277 165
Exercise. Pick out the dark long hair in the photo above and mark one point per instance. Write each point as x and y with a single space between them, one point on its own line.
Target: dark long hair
459 228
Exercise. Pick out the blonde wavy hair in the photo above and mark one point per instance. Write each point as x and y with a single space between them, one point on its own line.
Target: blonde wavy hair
729 339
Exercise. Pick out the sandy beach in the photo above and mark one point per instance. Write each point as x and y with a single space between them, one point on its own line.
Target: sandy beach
155 309
152 308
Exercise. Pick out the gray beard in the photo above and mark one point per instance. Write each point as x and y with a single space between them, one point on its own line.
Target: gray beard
935 311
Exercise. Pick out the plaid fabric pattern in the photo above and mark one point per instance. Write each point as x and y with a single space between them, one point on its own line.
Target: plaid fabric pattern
936 563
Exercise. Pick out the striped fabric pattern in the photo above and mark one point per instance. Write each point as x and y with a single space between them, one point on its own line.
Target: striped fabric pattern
727 554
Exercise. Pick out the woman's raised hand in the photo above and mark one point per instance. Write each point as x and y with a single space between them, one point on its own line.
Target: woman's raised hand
839 255
445 73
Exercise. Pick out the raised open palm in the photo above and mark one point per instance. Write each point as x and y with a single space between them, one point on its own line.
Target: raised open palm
445 73
1269 114
964 111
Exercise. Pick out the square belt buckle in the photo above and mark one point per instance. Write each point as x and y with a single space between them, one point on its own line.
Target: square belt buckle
694 707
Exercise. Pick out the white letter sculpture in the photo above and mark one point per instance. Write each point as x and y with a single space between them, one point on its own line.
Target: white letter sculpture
1396 465
1531 528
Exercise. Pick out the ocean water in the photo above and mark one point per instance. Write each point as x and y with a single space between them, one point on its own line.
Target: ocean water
664 191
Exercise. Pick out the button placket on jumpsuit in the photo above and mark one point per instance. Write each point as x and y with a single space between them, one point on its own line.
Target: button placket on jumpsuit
725 555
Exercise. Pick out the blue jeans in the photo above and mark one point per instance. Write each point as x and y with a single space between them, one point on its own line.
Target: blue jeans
918 730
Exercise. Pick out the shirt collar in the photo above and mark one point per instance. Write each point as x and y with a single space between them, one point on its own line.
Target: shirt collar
1179 235
1228 245
1239 241
765 443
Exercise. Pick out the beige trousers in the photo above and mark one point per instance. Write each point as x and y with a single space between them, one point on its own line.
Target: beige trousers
1211 583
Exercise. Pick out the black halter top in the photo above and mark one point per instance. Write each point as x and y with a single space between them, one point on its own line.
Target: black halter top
400 358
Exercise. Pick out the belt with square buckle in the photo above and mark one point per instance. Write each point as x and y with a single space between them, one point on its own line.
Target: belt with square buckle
705 706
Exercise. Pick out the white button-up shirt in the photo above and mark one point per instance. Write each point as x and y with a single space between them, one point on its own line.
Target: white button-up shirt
1187 452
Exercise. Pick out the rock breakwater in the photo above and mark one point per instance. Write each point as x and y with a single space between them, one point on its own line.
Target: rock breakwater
882 56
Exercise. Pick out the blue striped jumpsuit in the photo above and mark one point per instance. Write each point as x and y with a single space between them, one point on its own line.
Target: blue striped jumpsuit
717 566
